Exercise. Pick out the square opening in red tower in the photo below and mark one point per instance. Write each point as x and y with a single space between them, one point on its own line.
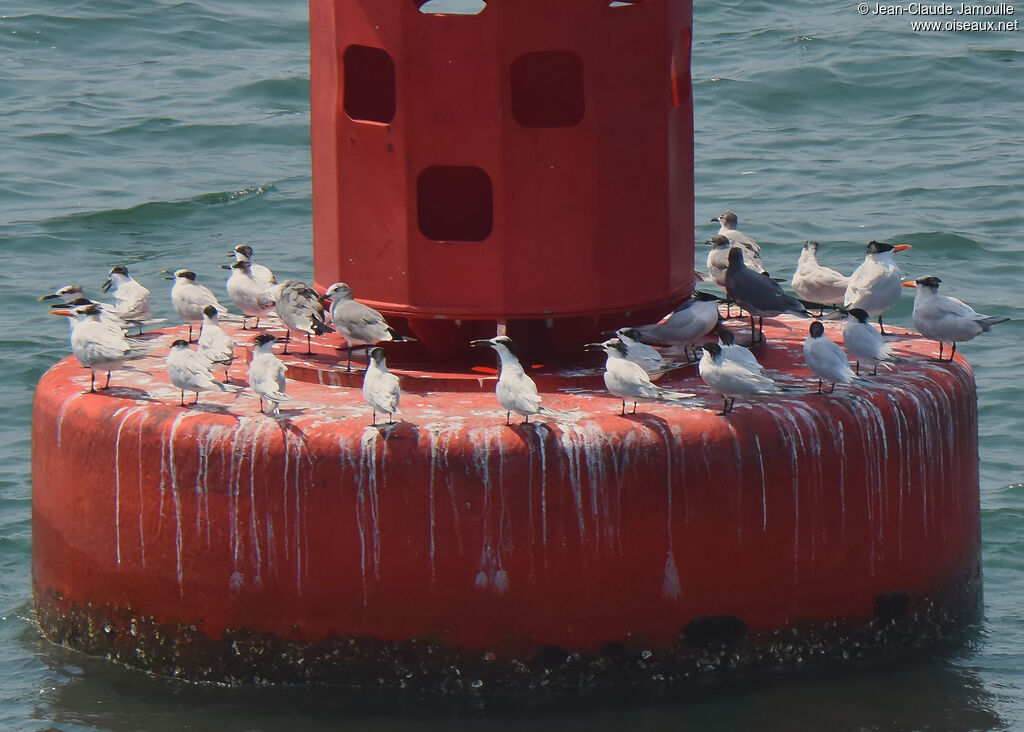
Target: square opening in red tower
369 78
547 89
455 203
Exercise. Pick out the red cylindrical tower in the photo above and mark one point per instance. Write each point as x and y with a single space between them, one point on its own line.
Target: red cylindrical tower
529 165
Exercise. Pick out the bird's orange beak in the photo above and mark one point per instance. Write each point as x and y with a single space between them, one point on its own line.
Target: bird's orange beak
900 247
65 313
909 284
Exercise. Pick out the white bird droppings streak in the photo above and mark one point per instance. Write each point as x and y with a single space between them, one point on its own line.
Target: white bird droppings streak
175 498
125 415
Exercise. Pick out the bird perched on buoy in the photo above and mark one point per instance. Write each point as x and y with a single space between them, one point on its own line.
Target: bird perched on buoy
728 221
250 295
214 344
875 285
731 379
718 259
647 357
132 298
359 324
693 319
381 390
757 294
189 298
300 308
515 391
816 283
946 319
267 373
190 371
826 359
628 380
98 345
732 351
863 342
72 296
261 273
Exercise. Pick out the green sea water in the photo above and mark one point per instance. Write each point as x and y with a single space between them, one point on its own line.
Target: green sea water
159 134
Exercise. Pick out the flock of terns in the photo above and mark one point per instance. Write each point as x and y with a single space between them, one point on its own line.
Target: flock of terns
633 363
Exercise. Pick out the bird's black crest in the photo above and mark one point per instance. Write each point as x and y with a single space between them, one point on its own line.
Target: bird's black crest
210 311
817 329
264 338
186 273
179 343
860 314
726 336
877 247
929 281
244 249
713 348
119 269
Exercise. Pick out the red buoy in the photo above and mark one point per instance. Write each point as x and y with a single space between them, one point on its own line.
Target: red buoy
529 167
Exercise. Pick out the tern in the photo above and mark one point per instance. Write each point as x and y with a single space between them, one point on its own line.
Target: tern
727 222
189 298
301 309
214 344
132 298
875 285
946 319
756 293
380 387
647 357
863 342
628 380
99 346
826 359
515 391
249 294
718 259
815 283
266 373
71 297
262 274
693 319
359 324
732 351
730 379
190 371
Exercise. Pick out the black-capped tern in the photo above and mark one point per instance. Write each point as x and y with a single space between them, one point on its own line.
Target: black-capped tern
732 351
863 342
693 319
730 379
381 390
250 295
132 298
826 359
100 346
758 294
189 298
262 274
946 319
874 286
628 380
214 344
515 391
190 371
647 357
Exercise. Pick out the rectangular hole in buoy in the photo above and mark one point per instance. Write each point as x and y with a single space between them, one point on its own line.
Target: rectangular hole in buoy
547 89
450 7
369 78
455 203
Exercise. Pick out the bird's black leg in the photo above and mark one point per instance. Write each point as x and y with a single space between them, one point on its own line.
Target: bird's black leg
623 407
261 405
373 419
349 359
92 381
952 352
190 332
819 386
634 408
508 417
309 343
287 337
196 400
856 367
874 371
107 383
182 400
881 327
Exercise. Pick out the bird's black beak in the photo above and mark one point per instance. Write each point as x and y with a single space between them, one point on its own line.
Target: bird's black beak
106 285
225 266
593 347
715 220
481 342
48 297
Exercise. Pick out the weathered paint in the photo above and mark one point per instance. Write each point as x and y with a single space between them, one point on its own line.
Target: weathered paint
450 527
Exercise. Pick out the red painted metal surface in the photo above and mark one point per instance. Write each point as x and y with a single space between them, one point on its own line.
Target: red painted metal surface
449 526
529 164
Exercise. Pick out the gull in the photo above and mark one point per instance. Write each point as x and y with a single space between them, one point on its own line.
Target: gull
189 298
628 380
875 285
693 319
515 391
815 283
249 294
756 293
262 274
359 324
731 351
718 259
647 357
826 359
266 373
730 379
190 371
727 221
380 387
863 342
132 298
944 318
99 346
301 309
214 344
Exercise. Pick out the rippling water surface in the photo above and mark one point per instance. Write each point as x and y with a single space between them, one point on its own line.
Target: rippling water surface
159 134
